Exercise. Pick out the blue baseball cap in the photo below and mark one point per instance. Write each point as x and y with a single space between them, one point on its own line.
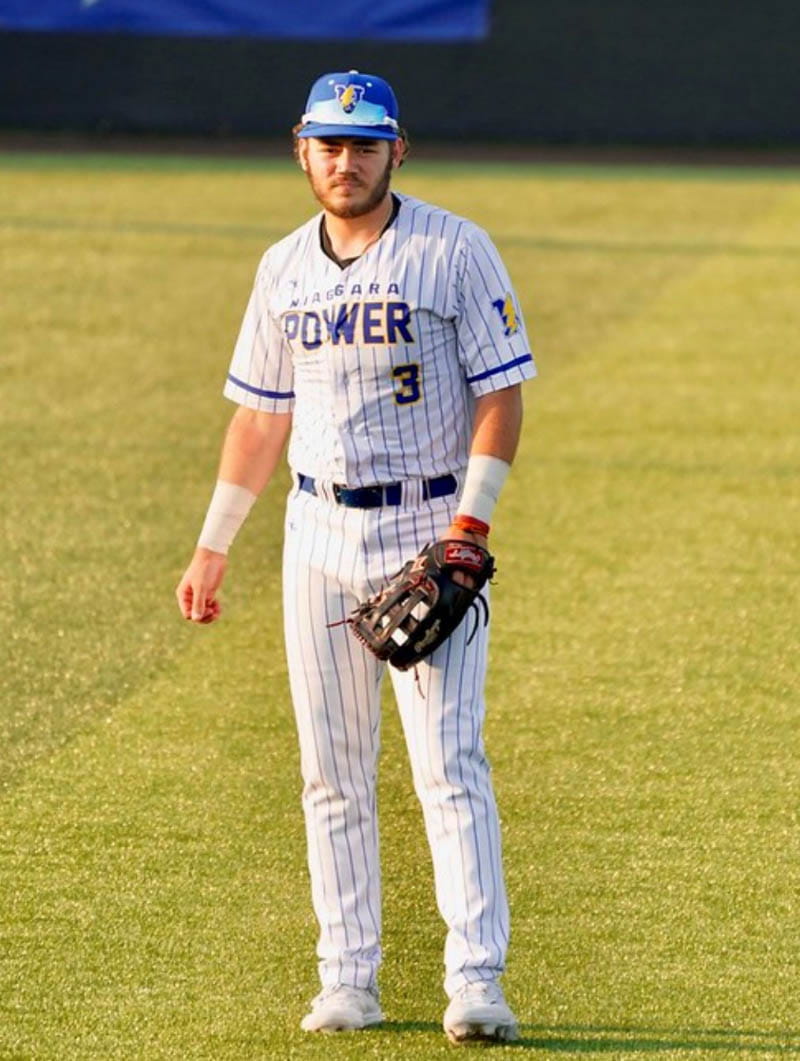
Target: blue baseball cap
351 104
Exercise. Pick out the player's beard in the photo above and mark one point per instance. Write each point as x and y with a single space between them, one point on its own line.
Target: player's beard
374 196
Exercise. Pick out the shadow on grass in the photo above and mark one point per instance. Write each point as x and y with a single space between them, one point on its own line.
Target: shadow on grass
585 1039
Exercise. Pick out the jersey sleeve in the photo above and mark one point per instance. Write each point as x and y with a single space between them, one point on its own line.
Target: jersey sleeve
261 373
493 345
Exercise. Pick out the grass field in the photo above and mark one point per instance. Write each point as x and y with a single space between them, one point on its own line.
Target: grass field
644 716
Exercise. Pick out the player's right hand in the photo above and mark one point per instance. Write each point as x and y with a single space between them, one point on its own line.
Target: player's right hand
197 590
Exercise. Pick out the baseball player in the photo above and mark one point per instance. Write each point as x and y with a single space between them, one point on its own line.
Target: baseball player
383 340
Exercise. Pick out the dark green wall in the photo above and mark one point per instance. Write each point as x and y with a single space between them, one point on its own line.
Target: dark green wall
586 71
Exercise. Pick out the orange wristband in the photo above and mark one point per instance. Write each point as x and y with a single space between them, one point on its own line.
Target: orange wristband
474 526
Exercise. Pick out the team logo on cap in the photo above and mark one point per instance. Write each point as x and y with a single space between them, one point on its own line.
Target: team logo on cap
508 314
349 96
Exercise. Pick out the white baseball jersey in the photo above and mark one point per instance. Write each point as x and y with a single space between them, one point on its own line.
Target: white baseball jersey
381 362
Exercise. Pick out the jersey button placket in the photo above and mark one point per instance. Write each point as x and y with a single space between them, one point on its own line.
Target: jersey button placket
345 376
339 378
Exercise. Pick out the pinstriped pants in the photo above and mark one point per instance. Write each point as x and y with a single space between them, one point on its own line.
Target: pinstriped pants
334 557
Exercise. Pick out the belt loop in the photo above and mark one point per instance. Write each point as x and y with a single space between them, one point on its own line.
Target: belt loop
325 491
412 493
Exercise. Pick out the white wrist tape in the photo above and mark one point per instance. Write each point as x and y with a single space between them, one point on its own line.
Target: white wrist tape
229 507
482 486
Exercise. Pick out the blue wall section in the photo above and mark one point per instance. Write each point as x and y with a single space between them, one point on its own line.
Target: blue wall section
550 71
402 20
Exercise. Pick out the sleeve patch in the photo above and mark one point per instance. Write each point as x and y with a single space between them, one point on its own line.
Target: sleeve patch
508 314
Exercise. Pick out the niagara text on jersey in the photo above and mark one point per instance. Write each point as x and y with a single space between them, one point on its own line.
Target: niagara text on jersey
380 361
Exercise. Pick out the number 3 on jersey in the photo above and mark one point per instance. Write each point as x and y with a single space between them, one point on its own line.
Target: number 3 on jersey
408 386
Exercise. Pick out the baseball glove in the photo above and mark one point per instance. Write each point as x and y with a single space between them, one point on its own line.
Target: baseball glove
422 605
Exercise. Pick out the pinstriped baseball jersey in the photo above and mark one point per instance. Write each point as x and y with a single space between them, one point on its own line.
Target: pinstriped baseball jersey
380 361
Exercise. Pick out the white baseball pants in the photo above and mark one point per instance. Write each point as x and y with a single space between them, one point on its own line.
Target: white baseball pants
333 557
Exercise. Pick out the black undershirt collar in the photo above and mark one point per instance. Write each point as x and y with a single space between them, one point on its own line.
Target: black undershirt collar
325 240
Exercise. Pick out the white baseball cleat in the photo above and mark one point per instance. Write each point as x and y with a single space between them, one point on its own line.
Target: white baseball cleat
479 1013
342 1009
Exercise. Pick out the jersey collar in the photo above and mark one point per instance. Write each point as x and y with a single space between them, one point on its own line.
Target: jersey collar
325 241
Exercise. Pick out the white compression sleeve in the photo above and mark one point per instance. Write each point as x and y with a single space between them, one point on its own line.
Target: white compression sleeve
227 511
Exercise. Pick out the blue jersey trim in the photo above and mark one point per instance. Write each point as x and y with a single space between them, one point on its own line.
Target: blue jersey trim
257 390
500 368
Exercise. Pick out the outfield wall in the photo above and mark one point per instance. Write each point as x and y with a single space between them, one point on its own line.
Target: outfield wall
550 71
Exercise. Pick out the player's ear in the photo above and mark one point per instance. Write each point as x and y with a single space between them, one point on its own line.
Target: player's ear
302 154
399 150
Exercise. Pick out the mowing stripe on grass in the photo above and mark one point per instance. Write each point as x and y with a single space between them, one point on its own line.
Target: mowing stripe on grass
700 248
758 172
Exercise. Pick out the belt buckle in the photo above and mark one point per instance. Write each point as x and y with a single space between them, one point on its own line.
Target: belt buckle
358 496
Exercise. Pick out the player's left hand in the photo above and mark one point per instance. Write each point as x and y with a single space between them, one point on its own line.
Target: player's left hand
453 531
420 606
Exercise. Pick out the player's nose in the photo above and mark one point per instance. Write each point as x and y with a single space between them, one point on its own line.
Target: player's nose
346 160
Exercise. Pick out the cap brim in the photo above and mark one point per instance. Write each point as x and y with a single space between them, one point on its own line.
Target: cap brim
365 132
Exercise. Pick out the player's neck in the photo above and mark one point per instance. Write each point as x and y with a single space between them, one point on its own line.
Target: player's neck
350 237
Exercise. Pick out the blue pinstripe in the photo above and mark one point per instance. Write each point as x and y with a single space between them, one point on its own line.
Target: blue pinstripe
348 759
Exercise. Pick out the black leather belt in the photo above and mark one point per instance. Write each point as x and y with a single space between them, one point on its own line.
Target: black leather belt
376 496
